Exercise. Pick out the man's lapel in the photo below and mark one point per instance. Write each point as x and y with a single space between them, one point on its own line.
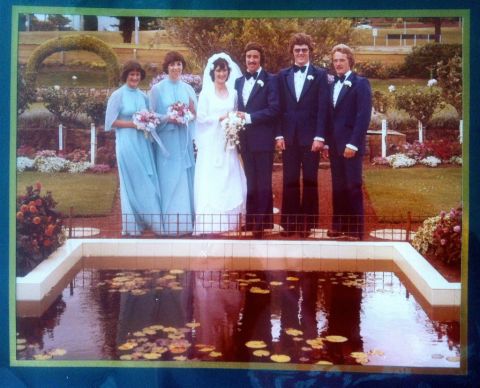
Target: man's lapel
291 82
308 81
256 85
241 84
345 89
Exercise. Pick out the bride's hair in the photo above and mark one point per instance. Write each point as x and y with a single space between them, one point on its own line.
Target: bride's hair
221 64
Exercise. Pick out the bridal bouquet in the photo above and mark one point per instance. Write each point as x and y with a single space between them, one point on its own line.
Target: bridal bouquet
146 121
231 126
180 111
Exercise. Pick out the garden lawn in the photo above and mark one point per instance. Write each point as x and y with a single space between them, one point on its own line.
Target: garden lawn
423 191
89 194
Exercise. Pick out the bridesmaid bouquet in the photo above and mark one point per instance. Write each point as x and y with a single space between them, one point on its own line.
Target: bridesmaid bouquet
146 121
231 126
180 111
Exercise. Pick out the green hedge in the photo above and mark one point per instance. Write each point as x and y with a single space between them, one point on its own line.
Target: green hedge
423 58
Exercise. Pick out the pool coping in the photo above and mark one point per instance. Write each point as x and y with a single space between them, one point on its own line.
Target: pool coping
219 254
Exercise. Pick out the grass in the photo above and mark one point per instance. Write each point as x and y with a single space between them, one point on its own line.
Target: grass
423 191
383 84
89 194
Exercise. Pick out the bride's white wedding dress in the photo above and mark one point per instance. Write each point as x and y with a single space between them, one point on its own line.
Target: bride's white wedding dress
220 186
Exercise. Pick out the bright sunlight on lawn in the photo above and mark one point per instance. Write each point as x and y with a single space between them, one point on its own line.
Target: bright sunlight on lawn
89 194
421 190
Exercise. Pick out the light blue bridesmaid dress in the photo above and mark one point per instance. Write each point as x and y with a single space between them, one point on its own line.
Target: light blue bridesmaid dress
139 188
175 160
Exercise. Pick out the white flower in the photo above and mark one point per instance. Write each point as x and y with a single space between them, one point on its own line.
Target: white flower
310 77
347 83
56 87
24 163
75 168
74 77
453 160
432 82
260 82
391 88
431 161
51 163
400 160
231 126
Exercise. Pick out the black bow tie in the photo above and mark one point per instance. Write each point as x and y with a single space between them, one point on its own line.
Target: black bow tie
339 78
301 68
250 75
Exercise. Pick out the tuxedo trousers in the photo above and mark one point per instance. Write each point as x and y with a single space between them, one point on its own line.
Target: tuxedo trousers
299 204
347 195
258 166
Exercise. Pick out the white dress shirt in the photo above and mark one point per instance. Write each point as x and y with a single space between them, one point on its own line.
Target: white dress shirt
247 90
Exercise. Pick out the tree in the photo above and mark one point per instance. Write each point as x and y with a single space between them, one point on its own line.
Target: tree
205 36
59 22
449 76
90 23
127 26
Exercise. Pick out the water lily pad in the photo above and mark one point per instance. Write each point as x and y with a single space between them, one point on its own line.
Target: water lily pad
306 349
176 336
275 283
139 334
215 354
376 352
180 358
254 280
280 358
58 352
324 362
169 277
21 341
169 329
176 288
251 274
256 344
358 354
292 279
43 356
151 356
453 359
126 357
176 271
207 349
298 339
258 290
293 332
127 346
261 353
155 327
303 359
149 331
192 325
20 348
177 348
336 338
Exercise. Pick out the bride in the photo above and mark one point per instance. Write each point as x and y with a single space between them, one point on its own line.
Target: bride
220 187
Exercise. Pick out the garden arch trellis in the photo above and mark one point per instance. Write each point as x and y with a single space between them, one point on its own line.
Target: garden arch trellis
71 43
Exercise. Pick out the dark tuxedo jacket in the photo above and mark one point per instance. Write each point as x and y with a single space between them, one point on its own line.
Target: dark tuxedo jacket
307 118
263 107
350 117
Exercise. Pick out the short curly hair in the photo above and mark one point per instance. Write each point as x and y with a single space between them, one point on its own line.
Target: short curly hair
344 49
172 56
131 65
221 64
300 38
255 46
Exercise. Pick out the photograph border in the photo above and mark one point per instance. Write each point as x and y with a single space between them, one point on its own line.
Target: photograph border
467 34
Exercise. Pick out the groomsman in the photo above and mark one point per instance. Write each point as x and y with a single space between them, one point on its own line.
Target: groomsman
303 90
350 112
258 104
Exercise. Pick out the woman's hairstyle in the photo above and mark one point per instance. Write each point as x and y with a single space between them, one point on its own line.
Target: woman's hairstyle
172 56
344 49
131 65
221 64
255 46
300 38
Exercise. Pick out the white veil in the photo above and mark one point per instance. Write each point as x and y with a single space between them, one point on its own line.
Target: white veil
235 72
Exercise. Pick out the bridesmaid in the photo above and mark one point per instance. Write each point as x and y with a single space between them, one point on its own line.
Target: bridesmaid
174 157
139 188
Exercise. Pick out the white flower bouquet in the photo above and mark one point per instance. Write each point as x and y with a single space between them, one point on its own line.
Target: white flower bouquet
231 126
181 112
146 121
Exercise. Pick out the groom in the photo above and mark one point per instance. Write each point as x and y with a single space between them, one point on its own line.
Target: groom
258 104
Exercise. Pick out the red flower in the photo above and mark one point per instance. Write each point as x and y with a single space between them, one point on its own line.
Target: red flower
32 209
47 242
24 208
20 216
37 220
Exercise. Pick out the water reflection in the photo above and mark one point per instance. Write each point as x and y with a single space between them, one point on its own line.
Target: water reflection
211 315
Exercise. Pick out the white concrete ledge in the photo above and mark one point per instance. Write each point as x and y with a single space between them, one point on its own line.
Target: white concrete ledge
243 255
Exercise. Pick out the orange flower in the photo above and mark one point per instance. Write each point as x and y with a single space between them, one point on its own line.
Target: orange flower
19 215
50 230
31 203
32 209
37 220
47 242
23 208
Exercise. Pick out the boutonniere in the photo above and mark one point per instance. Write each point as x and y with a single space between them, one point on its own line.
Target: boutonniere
310 77
330 79
260 82
348 84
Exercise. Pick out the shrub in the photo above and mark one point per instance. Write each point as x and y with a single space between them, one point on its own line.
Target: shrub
39 229
418 102
449 74
106 155
77 156
430 161
26 93
400 161
100 168
25 150
444 149
195 81
441 236
95 109
445 118
422 61
65 104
